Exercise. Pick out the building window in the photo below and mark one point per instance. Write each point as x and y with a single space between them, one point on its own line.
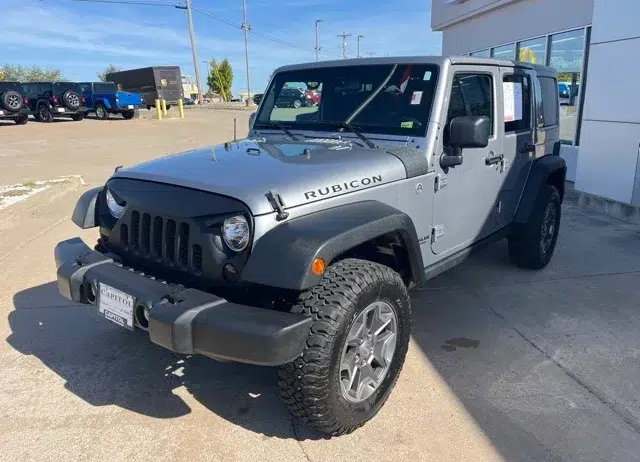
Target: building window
482 53
504 52
566 55
533 51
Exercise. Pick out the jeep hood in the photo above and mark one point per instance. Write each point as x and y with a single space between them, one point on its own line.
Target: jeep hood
301 172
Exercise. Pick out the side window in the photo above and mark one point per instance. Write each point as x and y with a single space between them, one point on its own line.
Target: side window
549 110
516 91
471 95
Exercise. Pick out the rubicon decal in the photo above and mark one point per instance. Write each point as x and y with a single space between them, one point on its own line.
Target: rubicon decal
342 187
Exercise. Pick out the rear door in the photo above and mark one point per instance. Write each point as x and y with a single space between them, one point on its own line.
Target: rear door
466 195
518 145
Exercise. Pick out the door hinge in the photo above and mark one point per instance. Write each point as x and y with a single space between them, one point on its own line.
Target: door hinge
277 204
440 182
503 165
436 232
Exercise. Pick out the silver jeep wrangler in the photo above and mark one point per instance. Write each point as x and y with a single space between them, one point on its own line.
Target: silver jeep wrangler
296 247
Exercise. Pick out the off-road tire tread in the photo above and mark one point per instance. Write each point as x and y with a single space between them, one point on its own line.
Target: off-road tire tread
304 383
525 240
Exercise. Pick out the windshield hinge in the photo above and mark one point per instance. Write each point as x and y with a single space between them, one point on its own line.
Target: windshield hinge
436 232
277 204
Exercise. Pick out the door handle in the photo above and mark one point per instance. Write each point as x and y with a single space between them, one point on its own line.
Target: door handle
528 148
493 159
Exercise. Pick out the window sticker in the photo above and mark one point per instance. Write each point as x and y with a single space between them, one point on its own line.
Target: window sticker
406 124
416 97
512 95
427 75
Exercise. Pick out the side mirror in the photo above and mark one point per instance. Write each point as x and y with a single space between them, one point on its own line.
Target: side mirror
469 132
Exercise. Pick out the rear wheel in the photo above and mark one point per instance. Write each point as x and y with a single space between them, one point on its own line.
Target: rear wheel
21 120
297 103
355 350
12 101
101 112
532 244
77 117
45 114
71 100
128 114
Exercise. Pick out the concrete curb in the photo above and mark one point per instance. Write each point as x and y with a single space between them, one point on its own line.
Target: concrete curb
614 209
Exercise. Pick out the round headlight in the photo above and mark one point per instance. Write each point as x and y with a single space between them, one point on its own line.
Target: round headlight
116 209
235 231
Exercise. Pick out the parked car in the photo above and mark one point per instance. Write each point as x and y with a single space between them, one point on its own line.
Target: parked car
14 104
188 101
103 99
257 98
292 97
302 254
313 97
158 82
51 100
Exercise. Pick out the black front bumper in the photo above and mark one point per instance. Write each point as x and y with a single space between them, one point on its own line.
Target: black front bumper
186 320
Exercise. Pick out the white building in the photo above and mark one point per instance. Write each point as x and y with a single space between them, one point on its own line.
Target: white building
593 44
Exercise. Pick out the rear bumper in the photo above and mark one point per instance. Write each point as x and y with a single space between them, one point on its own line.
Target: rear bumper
124 108
187 320
12 115
56 111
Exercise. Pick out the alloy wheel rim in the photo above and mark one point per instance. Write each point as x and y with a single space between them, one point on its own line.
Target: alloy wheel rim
13 101
74 100
368 351
100 112
548 227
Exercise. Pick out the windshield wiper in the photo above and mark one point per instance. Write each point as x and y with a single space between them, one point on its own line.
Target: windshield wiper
287 132
353 130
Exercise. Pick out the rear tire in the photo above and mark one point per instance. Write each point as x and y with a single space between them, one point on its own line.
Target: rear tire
101 112
128 115
531 245
297 104
21 120
77 117
349 366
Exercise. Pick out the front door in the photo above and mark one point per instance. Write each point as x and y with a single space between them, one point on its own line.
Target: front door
466 195
518 146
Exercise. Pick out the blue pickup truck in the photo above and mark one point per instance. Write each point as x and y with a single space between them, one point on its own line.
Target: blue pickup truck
103 99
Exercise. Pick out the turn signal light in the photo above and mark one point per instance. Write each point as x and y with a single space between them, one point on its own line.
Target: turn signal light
318 266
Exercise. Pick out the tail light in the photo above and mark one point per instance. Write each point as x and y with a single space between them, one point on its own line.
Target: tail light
84 99
26 101
55 100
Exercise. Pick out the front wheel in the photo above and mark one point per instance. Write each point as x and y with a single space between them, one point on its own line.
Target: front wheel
297 103
45 114
531 245
355 350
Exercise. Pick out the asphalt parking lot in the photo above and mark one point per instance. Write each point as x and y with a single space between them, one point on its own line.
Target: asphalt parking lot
504 364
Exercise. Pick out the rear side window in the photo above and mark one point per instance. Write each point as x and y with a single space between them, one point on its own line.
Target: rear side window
471 95
108 87
548 113
517 103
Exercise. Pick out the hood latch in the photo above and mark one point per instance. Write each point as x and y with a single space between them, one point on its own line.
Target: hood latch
277 204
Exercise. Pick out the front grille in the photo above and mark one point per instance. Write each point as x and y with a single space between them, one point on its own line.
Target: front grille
162 240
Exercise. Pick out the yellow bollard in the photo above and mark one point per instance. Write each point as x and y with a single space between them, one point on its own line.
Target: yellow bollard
158 109
181 108
164 106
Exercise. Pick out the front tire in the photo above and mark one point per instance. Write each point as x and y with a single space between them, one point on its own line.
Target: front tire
101 112
297 104
531 245
45 114
355 350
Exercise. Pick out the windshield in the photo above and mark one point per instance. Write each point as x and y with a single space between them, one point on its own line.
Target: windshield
61 87
393 99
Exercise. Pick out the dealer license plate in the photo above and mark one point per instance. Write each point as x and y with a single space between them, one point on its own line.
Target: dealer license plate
60 109
116 306
1 112
130 106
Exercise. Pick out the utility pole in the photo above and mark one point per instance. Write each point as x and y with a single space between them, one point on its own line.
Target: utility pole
246 28
193 47
359 37
317 48
344 44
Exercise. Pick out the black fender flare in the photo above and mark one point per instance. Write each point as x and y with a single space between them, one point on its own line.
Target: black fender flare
541 170
85 213
283 256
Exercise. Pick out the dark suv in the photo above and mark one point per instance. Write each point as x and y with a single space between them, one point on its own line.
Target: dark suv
293 97
13 102
48 100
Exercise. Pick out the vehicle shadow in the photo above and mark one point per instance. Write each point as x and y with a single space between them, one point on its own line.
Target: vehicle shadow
104 364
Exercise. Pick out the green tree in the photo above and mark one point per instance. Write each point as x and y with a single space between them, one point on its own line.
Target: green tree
110 68
220 78
11 73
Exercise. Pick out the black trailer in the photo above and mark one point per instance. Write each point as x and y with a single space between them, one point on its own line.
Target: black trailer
157 82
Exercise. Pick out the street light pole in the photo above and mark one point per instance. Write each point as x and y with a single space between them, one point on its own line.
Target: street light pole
246 28
318 21
193 50
358 52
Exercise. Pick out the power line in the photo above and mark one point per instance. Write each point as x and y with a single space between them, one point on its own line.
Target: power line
131 2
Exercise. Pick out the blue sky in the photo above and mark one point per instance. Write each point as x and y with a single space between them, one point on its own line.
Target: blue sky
82 38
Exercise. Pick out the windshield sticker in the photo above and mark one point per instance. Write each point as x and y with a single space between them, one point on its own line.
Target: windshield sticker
427 75
416 97
406 124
